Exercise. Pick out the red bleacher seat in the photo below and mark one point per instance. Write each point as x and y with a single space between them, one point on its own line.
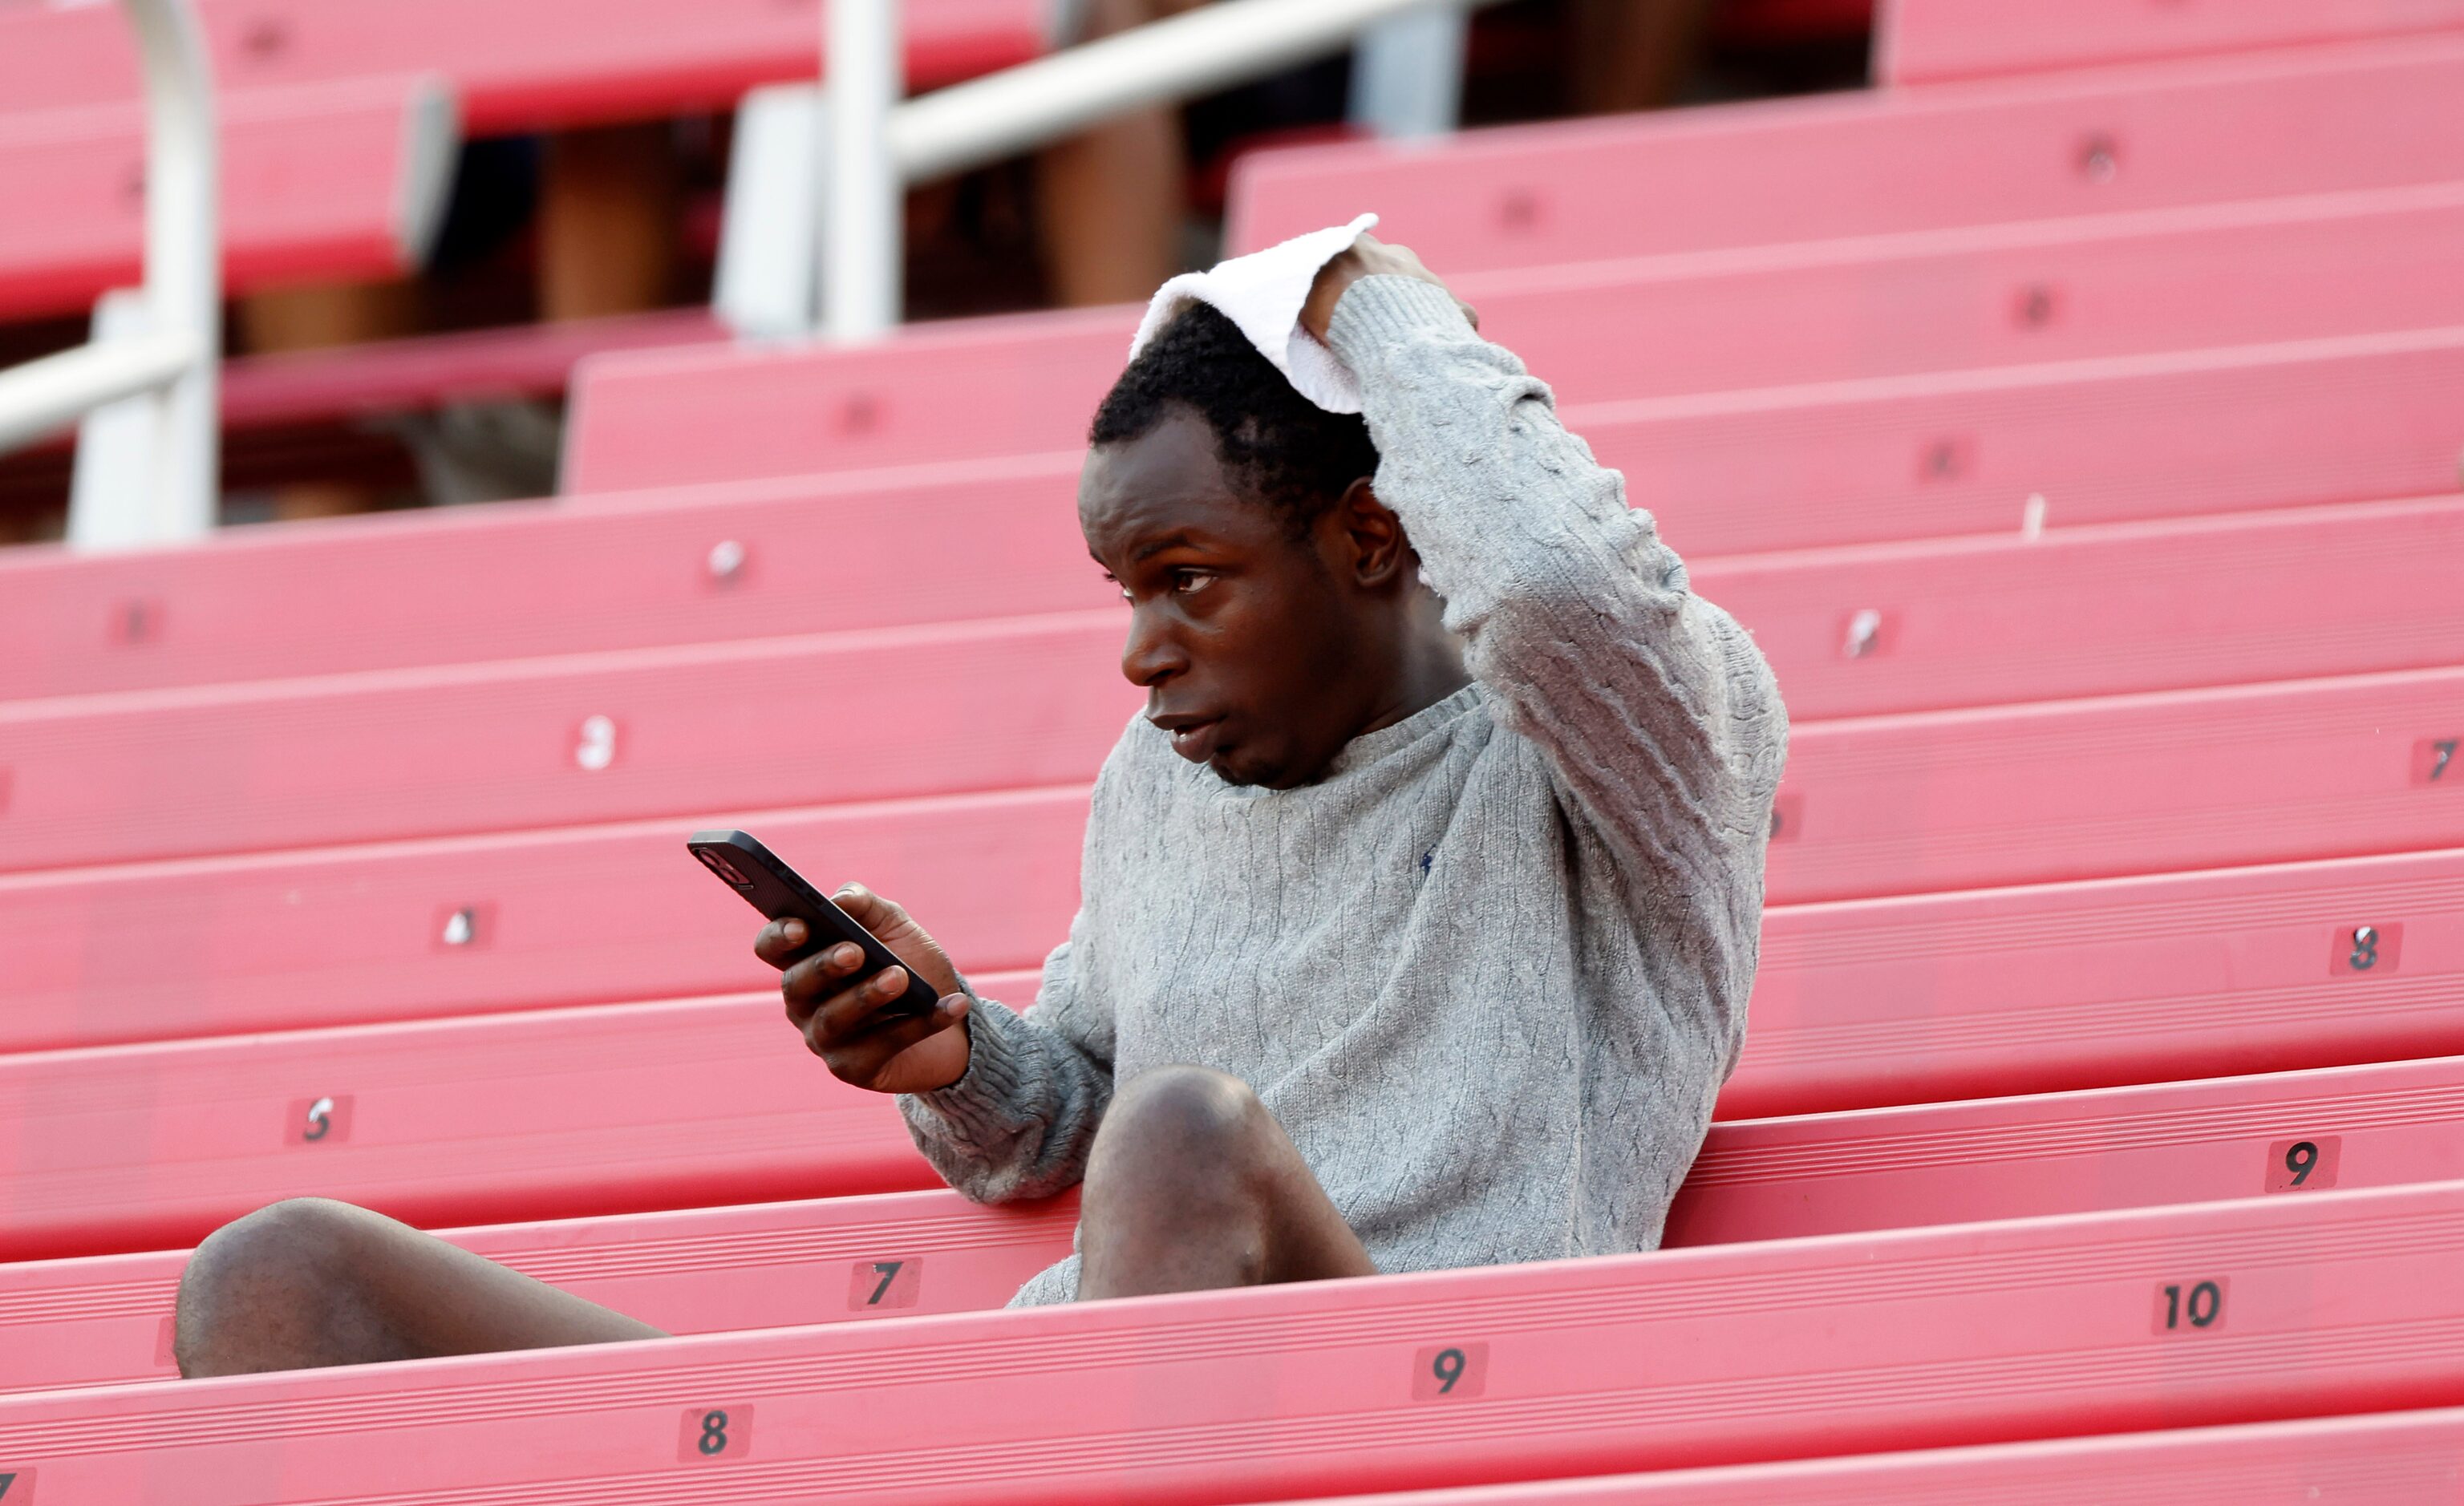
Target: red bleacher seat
1879 805
2218 274
725 1269
2201 132
527 580
548 1093
702 1270
1872 805
2170 1143
519 64
1926 41
829 718
312 386
1965 800
2051 987
319 181
511 921
2379 588
2384 1458
554 1114
2234 1312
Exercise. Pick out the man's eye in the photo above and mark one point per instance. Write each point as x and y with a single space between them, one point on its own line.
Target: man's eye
1185 581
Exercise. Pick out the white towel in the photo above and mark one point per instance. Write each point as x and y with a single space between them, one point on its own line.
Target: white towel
1263 293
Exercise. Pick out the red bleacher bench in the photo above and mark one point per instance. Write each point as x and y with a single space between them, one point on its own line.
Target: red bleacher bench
2051 987
2219 275
2160 1144
1882 804
637 733
80 1322
730 564
2234 1312
456 1120
519 64
102 1319
625 736
318 182
2385 1458
1927 41
1935 802
2202 132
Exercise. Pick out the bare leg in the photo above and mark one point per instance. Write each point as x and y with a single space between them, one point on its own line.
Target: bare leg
1110 199
1632 54
608 222
1192 1186
316 317
309 1282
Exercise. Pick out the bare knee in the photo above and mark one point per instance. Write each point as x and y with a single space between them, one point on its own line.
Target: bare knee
1191 1121
273 1273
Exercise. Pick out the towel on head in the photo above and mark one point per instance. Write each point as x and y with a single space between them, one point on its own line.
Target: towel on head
1263 293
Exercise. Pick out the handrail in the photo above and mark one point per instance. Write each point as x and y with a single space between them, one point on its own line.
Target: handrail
172 360
878 146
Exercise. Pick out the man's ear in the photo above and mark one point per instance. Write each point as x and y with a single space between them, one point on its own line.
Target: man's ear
1380 553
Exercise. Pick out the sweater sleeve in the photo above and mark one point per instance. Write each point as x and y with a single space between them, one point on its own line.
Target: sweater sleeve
1018 1123
1655 708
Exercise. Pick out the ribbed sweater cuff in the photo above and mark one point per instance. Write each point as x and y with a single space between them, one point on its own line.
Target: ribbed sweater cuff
980 1107
1377 313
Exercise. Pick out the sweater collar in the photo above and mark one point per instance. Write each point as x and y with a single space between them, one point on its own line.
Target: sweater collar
1369 747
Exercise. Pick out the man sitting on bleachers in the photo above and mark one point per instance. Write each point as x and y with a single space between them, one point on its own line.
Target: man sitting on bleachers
1418 912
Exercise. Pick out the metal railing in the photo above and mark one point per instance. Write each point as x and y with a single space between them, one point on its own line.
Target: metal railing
161 345
877 145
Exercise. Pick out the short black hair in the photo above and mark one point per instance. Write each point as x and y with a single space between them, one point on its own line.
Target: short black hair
1283 449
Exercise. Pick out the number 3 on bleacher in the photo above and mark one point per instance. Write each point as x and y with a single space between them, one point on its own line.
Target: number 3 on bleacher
2433 761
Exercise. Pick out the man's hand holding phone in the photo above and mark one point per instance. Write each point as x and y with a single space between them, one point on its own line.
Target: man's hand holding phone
853 1022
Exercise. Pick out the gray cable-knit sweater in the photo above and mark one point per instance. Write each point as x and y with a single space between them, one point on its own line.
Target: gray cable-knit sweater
1491 970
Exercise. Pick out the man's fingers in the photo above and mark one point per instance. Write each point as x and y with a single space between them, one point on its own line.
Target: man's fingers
850 1012
811 983
781 942
867 908
860 1061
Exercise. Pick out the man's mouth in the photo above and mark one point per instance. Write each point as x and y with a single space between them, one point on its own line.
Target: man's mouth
1193 736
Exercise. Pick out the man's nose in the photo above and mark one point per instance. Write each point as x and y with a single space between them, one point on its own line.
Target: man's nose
1150 656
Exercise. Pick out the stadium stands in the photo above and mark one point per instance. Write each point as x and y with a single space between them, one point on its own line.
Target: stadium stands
2203 132
1927 41
2181 1316
2081 447
333 180
2239 273
519 64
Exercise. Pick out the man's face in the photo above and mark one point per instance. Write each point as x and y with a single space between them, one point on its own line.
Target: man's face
1245 638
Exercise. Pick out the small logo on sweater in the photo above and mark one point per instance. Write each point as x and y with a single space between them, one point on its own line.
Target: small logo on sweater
1426 858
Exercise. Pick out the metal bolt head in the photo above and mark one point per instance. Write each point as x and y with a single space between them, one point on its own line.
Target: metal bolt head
461 928
597 747
2099 158
726 559
1864 631
2364 935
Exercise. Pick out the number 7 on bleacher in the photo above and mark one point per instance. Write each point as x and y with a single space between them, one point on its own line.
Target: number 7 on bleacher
2446 751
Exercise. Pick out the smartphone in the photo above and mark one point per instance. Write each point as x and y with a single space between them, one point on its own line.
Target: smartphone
774 889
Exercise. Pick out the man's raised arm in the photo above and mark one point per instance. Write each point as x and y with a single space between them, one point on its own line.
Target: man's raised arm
1653 706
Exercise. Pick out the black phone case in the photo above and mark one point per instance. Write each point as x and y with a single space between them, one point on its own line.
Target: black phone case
779 892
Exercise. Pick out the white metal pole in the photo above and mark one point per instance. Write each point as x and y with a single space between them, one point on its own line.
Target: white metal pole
862 217
183 286
1211 47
